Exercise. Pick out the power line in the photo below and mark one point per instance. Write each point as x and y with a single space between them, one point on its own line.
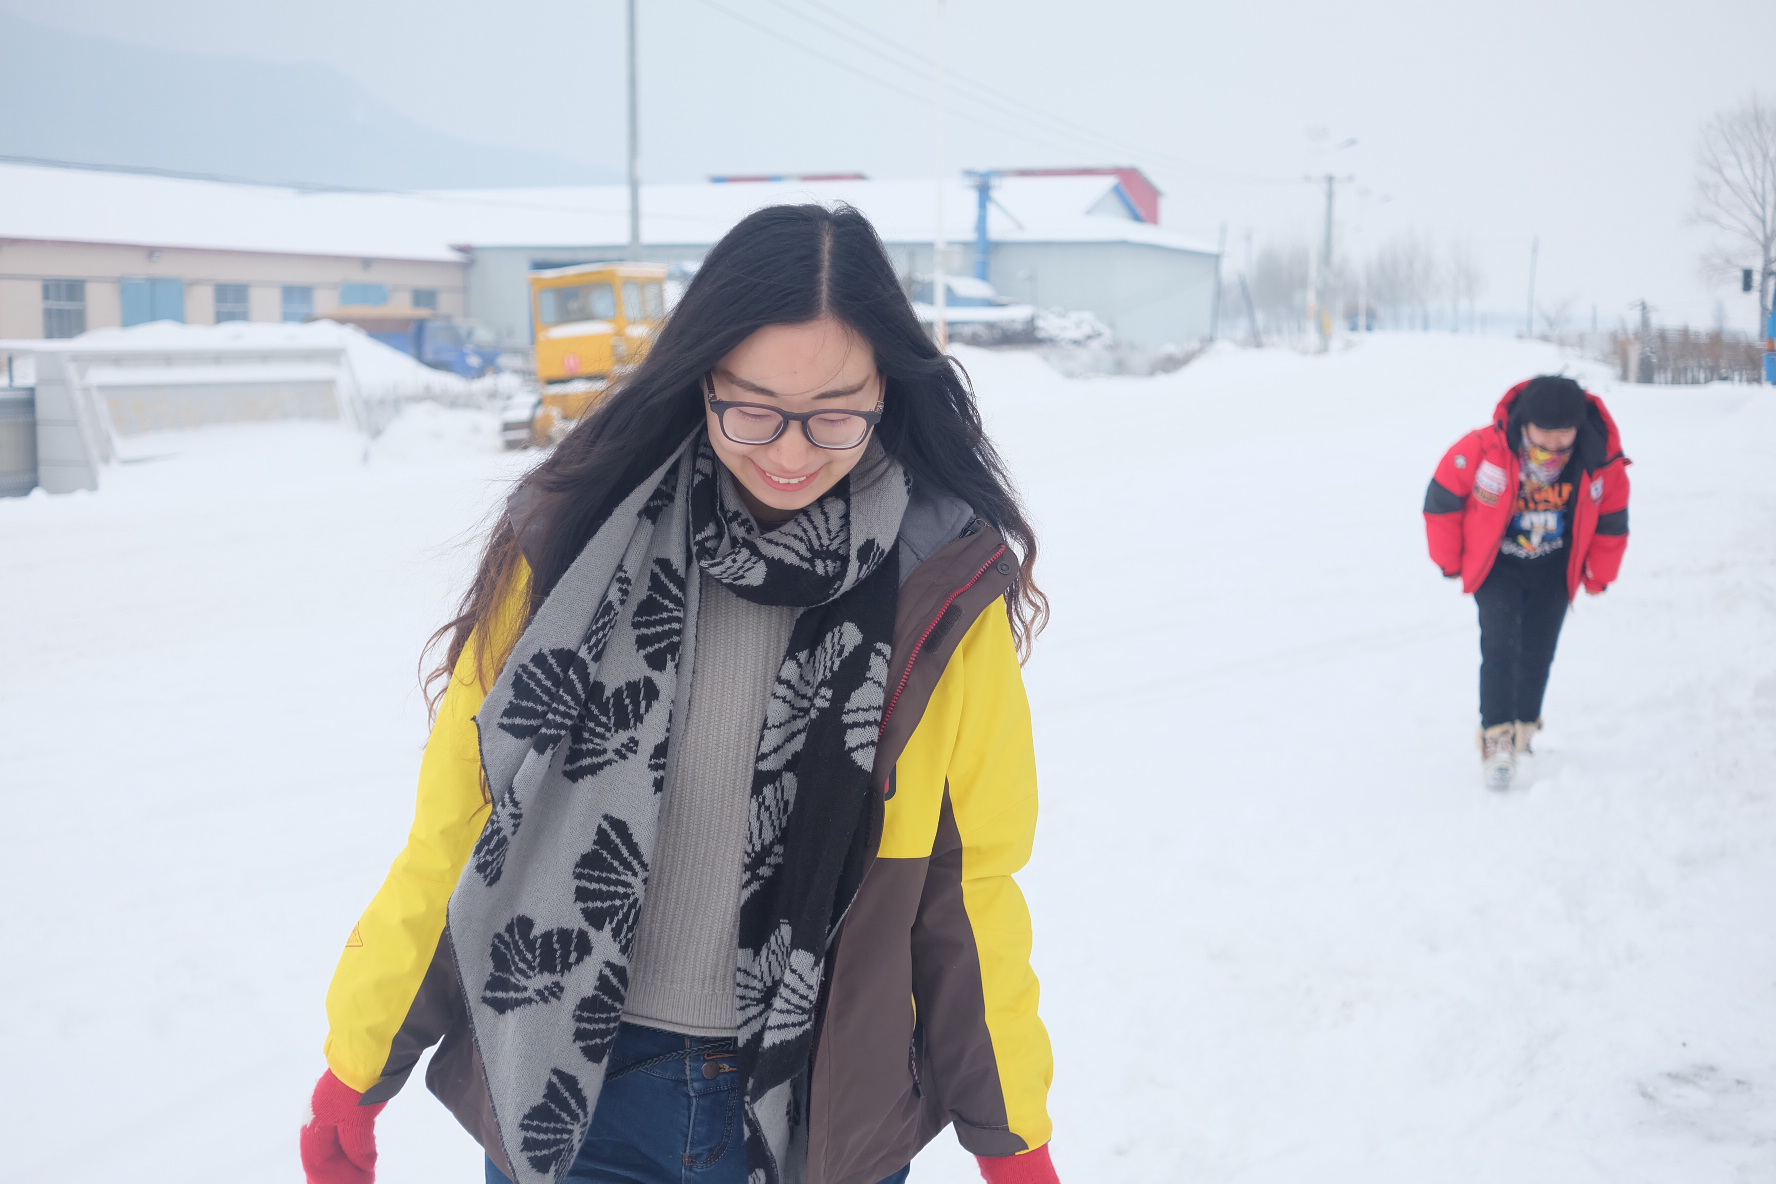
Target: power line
999 101
850 69
923 70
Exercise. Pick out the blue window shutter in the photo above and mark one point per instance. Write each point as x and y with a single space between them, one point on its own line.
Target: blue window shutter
167 299
138 309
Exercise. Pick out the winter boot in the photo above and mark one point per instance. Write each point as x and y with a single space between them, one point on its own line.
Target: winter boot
1498 755
1526 732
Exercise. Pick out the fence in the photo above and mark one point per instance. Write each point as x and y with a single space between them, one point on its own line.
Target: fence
1687 356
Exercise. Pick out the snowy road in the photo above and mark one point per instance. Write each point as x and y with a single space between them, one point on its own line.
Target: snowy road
1284 935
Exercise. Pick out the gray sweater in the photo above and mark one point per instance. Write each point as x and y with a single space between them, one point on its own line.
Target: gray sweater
681 971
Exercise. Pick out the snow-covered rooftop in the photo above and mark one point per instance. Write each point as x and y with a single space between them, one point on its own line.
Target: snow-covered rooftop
72 205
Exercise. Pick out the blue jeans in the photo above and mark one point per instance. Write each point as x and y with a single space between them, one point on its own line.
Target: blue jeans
671 1112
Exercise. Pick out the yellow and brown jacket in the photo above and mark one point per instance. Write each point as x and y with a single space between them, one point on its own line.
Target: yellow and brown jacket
930 1009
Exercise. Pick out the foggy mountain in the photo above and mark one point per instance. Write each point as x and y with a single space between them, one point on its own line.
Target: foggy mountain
65 96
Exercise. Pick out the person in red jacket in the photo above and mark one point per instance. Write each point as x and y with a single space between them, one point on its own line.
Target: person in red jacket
1525 512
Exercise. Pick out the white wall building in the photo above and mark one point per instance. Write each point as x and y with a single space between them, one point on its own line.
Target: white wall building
84 250
1067 242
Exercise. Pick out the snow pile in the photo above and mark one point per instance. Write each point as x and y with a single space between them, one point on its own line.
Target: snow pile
428 432
1283 933
374 382
1077 328
1078 345
244 336
373 370
374 360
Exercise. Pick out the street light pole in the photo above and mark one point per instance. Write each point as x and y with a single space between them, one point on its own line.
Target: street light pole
1326 266
1327 318
634 144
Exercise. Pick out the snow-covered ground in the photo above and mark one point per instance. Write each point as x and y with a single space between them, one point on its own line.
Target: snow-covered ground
1284 935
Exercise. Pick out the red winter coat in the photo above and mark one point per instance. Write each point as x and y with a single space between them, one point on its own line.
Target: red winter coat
1468 505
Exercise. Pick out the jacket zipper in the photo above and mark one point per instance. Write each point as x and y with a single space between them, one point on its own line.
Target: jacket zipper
907 674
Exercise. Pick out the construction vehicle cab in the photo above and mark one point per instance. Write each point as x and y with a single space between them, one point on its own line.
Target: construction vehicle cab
594 322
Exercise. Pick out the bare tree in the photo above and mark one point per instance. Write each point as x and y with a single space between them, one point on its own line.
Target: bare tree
1279 285
1463 280
1404 279
1555 315
1736 191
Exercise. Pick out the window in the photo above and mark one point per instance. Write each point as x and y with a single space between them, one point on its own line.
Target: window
588 302
299 302
656 302
440 343
373 295
231 302
632 300
64 308
156 299
425 298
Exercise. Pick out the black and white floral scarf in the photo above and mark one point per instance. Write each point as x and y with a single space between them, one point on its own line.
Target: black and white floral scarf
575 740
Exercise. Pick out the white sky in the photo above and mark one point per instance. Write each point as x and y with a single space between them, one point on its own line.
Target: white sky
1492 122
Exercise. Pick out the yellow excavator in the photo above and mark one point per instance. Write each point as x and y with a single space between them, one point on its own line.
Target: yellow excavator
594 322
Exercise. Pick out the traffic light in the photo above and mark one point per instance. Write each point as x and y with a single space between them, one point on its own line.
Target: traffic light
1745 279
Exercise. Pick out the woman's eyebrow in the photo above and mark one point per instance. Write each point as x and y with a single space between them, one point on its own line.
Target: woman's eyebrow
756 389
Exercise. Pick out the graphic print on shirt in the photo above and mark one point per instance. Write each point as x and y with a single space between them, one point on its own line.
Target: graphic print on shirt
1538 520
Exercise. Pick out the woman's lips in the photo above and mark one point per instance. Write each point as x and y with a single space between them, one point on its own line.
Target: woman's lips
787 484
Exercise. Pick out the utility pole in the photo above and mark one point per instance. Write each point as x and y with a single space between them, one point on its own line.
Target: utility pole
634 144
1251 312
1362 296
940 296
1313 293
1327 319
1215 305
1326 247
1246 289
1646 365
1529 324
1326 264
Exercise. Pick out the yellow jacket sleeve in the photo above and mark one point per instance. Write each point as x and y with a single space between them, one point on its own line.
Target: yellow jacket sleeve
992 801
393 944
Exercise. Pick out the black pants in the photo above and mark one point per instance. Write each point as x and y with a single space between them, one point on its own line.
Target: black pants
1522 605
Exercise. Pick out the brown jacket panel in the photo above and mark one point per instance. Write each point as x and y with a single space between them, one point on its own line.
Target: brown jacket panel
956 1045
865 1103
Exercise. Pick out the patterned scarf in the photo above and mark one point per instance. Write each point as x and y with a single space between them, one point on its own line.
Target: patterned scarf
575 740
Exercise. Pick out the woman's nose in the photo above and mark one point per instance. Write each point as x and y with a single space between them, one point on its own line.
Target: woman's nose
791 450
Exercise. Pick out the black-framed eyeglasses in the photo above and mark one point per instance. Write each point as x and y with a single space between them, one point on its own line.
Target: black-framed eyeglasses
837 429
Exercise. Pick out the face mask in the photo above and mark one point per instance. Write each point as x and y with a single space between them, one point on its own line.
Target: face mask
1543 465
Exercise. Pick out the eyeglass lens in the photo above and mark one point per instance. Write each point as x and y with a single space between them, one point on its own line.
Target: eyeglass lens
761 425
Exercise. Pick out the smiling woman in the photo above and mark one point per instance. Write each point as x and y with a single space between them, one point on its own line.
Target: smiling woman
820 375
712 865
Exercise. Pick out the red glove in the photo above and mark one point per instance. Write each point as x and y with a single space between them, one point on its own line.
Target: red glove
339 1142
1032 1167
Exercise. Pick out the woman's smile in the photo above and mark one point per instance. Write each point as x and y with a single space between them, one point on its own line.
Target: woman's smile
786 483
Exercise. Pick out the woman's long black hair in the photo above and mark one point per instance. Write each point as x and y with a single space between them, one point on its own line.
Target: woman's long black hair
783 265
